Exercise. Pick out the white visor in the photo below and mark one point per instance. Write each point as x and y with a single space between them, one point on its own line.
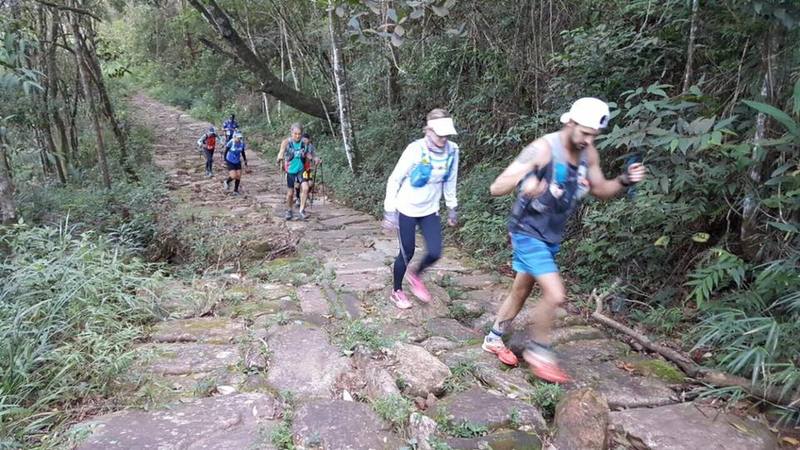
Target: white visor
442 127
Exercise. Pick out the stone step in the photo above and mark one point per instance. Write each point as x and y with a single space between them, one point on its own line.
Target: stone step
690 426
230 421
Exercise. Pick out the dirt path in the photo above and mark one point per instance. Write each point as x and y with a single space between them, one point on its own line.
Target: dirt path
306 351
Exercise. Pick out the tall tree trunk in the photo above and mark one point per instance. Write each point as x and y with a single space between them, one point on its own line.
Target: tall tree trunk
71 101
342 94
392 83
50 93
748 232
266 107
289 57
83 69
90 55
8 210
73 122
47 135
687 74
283 61
63 140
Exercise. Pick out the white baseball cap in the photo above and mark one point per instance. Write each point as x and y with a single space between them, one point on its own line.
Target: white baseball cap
442 126
588 111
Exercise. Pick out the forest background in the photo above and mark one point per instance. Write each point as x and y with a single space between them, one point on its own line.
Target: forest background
702 255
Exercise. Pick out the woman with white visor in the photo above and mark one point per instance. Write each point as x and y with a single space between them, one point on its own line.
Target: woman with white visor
427 169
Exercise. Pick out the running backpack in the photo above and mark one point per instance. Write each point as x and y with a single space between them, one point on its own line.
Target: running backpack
211 141
294 157
421 173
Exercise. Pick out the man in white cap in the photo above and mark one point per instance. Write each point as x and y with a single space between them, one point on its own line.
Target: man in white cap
551 175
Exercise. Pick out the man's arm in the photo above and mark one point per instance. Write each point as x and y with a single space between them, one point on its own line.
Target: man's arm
281 151
534 155
603 188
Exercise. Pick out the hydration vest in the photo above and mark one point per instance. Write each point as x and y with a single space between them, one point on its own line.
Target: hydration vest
545 216
234 155
294 156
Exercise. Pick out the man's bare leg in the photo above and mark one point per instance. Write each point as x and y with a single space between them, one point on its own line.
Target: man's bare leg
538 354
512 305
303 196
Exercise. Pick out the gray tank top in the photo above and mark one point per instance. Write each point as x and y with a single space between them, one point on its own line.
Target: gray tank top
545 216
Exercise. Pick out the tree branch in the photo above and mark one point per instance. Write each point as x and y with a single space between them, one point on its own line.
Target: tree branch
269 83
69 8
217 48
773 394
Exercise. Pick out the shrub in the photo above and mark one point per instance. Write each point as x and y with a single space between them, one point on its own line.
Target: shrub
70 309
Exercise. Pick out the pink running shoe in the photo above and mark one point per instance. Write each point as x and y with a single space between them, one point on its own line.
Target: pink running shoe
418 287
400 300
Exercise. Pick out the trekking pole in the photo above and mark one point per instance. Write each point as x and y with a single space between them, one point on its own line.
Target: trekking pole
313 187
322 182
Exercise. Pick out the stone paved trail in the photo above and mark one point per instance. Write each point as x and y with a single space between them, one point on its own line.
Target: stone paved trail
248 360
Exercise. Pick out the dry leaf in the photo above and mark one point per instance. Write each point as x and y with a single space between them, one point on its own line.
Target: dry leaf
790 440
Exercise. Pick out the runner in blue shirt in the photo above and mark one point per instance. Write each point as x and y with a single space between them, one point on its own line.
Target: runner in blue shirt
234 156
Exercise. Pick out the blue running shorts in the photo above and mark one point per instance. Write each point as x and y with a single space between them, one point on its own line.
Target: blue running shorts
533 256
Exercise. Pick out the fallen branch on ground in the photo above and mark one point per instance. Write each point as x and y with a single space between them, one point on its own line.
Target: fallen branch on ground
772 394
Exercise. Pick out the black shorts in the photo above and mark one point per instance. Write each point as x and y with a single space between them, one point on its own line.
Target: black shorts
294 178
232 166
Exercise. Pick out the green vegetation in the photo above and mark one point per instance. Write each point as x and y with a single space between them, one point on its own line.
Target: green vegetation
461 377
546 396
355 332
282 436
72 306
460 429
394 409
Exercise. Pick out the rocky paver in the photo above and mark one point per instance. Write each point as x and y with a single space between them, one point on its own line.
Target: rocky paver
312 300
582 421
184 359
211 330
339 424
507 440
478 407
599 363
421 373
451 329
691 426
229 421
304 362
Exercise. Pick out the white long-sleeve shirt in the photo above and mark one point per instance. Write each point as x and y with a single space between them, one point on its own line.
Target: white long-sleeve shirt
422 201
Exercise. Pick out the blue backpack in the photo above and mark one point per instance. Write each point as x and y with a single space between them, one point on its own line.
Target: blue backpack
421 173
